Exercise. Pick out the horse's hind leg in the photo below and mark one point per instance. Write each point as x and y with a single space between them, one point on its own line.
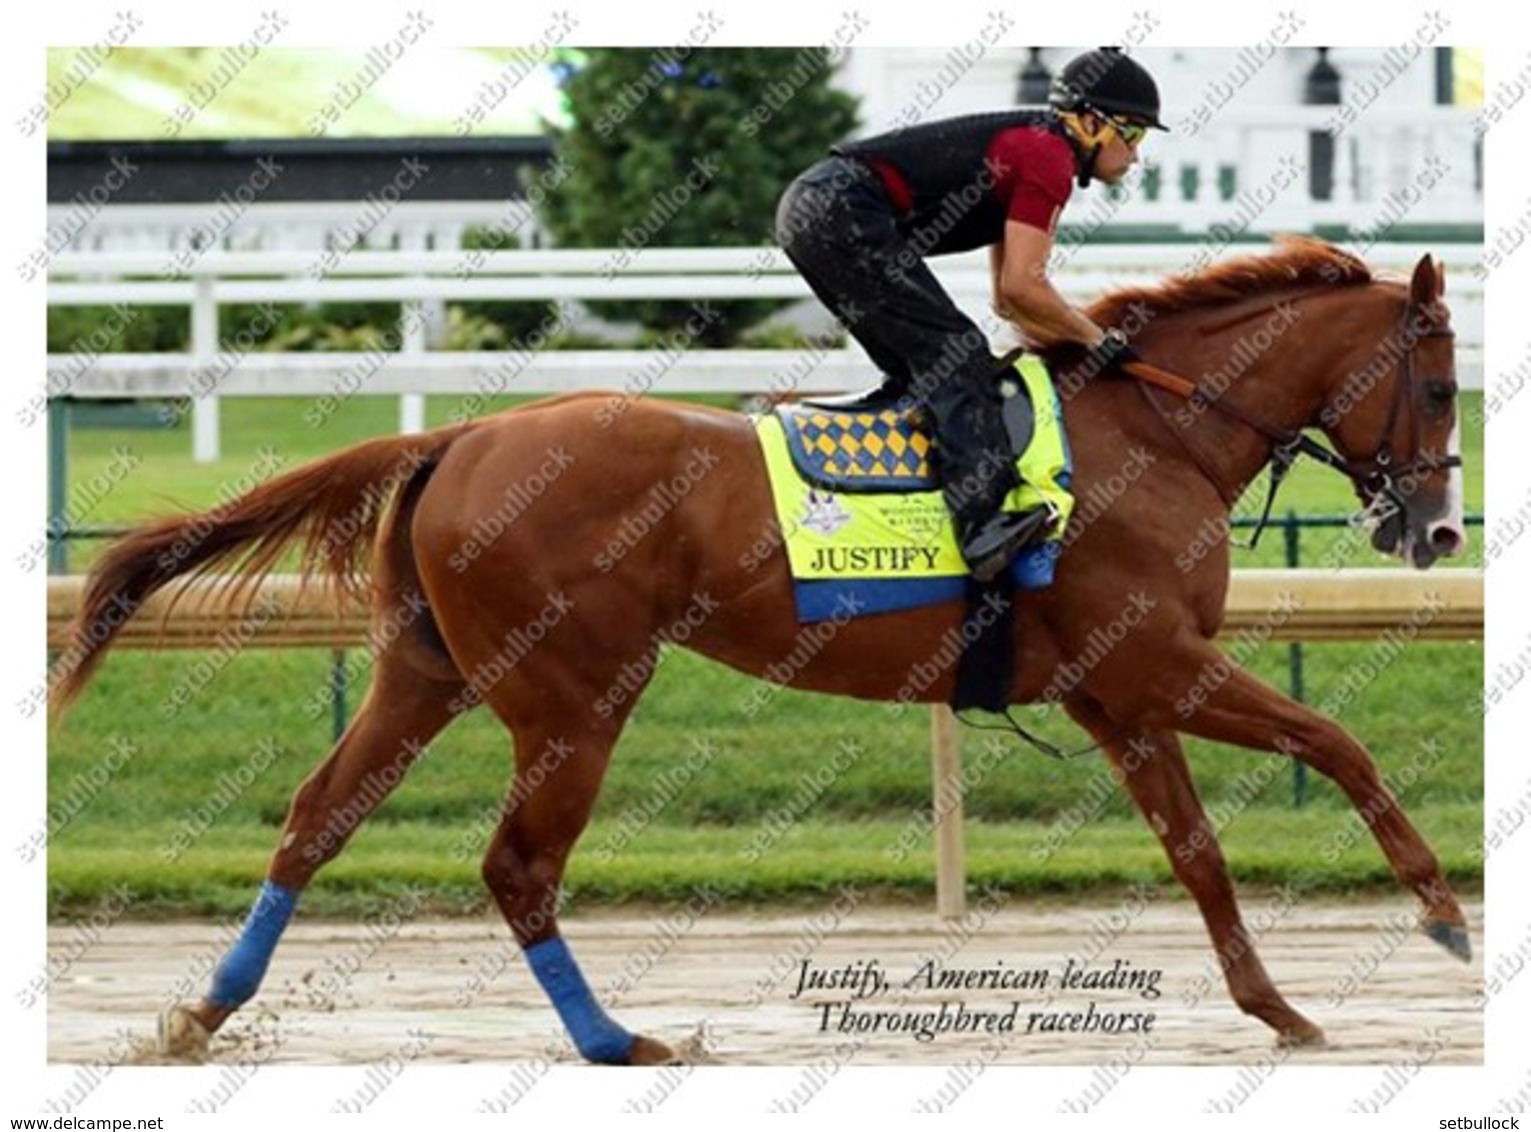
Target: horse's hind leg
562 749
1152 766
403 711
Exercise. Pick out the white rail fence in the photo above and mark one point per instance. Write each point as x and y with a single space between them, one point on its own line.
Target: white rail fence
419 279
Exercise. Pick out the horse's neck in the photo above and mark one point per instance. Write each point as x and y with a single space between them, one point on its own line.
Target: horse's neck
1261 357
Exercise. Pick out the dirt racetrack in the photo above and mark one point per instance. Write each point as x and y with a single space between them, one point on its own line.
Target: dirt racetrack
1079 984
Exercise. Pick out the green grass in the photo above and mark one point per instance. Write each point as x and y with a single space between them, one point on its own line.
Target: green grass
754 770
753 776
750 767
810 861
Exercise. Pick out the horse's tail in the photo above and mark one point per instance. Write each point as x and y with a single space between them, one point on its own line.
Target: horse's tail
332 507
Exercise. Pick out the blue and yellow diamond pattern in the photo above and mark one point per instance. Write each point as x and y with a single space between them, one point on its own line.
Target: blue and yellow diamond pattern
864 447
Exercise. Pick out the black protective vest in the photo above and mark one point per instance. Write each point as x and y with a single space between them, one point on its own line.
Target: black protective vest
943 163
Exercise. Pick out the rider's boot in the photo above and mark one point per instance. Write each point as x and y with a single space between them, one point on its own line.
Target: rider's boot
972 461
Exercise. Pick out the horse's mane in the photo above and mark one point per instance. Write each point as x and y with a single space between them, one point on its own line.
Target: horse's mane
1298 261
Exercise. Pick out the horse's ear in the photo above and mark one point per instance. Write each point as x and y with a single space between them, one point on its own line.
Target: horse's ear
1429 282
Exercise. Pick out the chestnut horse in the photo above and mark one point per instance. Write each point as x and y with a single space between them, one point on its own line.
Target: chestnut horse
557 545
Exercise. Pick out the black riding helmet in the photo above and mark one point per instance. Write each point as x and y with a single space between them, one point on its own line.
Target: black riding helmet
1107 80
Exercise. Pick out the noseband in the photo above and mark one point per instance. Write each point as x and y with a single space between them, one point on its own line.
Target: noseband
1373 478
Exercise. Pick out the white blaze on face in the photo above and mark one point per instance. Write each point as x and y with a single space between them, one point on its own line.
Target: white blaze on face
1455 514
1449 533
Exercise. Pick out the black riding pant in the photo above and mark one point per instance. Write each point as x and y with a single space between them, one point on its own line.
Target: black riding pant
841 231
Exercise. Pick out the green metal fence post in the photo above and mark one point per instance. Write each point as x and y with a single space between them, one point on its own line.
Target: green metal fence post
1292 529
58 495
338 692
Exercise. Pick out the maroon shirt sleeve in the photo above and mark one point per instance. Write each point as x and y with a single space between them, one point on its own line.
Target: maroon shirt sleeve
1033 174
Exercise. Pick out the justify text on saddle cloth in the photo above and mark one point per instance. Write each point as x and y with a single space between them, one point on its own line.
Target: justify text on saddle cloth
931 999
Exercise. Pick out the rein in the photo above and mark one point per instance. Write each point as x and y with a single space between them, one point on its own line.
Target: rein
1046 747
1374 477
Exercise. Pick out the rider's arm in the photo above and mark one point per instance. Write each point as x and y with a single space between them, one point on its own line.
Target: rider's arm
1023 294
996 274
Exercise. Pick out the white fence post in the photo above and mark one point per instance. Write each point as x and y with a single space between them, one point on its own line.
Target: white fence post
951 859
204 348
412 341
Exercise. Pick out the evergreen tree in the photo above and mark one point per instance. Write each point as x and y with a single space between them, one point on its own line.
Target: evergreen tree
689 147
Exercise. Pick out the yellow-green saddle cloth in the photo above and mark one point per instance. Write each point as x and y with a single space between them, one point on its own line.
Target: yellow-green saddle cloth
865 527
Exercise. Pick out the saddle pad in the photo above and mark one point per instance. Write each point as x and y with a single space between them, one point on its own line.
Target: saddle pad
851 450
855 555
863 549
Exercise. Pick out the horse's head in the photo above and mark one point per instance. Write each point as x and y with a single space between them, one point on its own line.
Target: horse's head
1393 418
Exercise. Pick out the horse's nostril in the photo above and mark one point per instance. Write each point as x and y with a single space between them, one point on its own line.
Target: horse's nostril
1445 541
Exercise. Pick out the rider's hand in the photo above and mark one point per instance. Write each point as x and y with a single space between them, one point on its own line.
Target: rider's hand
1113 350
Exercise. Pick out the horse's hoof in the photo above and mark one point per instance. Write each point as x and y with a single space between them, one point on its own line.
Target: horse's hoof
1305 1036
181 1035
1453 937
648 1051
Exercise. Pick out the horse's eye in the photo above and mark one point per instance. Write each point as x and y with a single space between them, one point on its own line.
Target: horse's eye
1439 395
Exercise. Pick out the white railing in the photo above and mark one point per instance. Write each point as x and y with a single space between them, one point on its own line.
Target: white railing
1414 166
415 279
232 225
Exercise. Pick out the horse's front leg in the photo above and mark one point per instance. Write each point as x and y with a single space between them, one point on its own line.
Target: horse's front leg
1240 709
1151 764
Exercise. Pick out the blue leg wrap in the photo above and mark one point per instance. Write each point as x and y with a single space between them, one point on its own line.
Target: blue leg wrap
595 1035
239 975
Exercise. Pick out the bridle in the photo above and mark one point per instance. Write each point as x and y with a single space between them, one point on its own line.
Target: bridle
1378 475
1376 478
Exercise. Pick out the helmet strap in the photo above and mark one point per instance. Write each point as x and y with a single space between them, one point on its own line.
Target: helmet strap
1087 159
1085 156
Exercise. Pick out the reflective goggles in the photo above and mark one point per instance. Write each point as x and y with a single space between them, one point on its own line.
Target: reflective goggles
1131 133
